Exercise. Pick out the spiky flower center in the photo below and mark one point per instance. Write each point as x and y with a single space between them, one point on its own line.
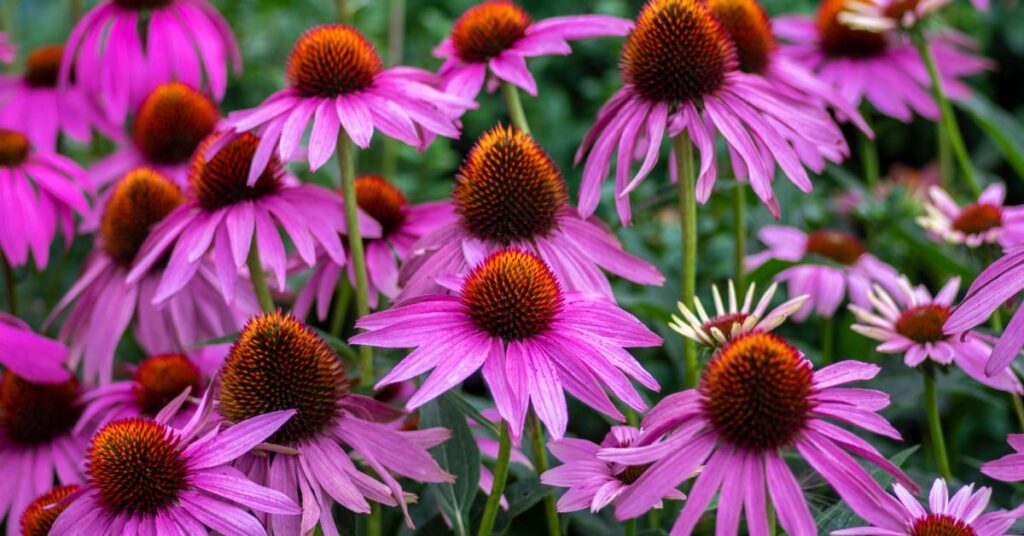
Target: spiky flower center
172 121
136 466
838 39
756 392
13 148
723 323
42 512
632 473
838 246
677 52
278 363
161 378
923 323
508 189
978 218
488 29
940 525
512 295
222 180
42 67
332 60
34 414
140 5
383 201
139 201
750 29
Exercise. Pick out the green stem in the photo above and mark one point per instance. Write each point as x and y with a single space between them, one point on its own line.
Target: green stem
76 10
12 296
375 525
540 460
828 337
500 476
346 165
931 407
396 49
631 527
342 297
945 156
869 161
654 519
688 254
1018 409
343 14
948 119
739 214
515 107
772 525
259 279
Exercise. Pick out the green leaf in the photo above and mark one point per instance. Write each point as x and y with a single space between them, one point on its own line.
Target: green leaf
463 406
839 516
459 456
1002 128
521 495
930 252
764 274
219 340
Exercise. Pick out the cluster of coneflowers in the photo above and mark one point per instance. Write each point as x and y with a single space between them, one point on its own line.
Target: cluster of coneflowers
211 256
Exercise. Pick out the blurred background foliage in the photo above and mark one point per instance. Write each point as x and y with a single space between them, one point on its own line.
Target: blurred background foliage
571 90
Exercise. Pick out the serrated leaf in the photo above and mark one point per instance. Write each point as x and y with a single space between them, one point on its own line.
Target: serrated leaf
1002 128
459 456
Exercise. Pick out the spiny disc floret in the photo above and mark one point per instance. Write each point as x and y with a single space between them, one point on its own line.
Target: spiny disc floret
512 295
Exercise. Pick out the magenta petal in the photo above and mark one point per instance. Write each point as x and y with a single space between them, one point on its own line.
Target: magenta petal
231 484
221 516
236 441
511 67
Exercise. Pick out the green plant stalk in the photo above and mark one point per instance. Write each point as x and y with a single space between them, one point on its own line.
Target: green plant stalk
375 525
346 166
540 460
739 214
931 407
869 162
259 279
515 107
76 10
948 119
343 14
945 156
396 48
500 477
828 339
1018 409
342 297
688 254
631 527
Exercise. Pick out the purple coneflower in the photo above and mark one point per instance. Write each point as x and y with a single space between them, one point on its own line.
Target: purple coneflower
729 323
511 318
222 214
850 268
147 477
910 322
278 362
963 514
401 223
758 398
682 76
38 518
510 194
497 36
997 285
43 191
1009 468
33 104
986 221
37 441
337 82
103 302
30 355
185 40
852 61
594 483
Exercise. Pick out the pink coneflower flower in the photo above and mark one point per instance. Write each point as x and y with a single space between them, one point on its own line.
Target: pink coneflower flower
1009 468
850 269
146 477
223 213
881 16
30 355
167 129
985 221
336 80
511 318
278 362
185 40
33 104
510 194
8 50
998 284
963 514
43 191
154 383
104 302
497 36
729 323
910 322
594 483
401 223
852 61
38 518
37 441
758 398
681 75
